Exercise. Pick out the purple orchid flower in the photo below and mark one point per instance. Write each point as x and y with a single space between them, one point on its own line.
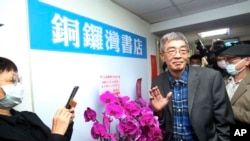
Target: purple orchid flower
147 120
132 109
146 110
122 100
155 133
98 130
107 97
135 119
115 110
89 115
141 138
106 121
127 128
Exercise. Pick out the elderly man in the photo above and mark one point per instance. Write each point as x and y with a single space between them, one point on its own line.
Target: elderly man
238 84
191 102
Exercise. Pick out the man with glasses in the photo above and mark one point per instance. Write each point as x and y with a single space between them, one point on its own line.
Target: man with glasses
238 84
191 102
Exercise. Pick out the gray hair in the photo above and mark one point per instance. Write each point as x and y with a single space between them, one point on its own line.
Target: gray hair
170 37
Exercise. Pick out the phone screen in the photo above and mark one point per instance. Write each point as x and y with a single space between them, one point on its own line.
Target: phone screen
72 95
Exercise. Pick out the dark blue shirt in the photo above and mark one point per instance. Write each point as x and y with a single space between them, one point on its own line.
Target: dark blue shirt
182 128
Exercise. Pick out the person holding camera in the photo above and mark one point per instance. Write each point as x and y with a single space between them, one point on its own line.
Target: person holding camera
25 125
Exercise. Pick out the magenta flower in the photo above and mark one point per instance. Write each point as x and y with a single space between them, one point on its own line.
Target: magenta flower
155 134
111 136
146 110
106 121
107 97
122 100
89 114
127 128
134 120
142 138
131 108
147 120
98 130
113 109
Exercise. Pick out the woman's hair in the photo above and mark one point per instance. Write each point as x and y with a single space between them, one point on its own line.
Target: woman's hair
7 65
217 44
170 37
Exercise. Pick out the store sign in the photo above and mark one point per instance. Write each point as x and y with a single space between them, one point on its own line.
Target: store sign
55 29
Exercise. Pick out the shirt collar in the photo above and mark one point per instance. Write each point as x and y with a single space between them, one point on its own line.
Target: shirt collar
183 79
231 80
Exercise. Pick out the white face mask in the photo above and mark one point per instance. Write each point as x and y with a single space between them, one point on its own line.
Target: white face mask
222 64
13 96
231 68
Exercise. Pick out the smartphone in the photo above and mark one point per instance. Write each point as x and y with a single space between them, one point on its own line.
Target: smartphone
72 95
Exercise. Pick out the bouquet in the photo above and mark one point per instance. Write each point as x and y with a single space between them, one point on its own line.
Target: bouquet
135 120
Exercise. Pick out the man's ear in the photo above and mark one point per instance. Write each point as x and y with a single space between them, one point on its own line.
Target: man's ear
162 56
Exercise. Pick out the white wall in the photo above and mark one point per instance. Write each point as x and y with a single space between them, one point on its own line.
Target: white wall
14 42
50 76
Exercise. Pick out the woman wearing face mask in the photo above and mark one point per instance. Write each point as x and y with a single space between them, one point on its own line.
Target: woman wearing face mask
27 126
238 84
221 63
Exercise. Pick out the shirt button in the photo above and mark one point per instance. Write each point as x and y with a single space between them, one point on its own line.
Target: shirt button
179 110
180 125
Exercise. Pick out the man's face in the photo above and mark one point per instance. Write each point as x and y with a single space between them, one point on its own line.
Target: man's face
240 62
175 55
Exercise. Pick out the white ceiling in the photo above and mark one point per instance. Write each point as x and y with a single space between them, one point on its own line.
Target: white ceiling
192 16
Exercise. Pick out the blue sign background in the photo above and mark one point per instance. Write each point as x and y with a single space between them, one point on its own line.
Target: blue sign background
41 33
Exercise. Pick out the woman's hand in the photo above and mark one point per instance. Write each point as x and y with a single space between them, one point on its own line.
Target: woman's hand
61 120
72 111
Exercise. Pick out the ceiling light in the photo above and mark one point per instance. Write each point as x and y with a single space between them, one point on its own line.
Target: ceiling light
214 32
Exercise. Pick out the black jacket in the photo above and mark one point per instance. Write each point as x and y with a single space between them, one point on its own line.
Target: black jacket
27 126
209 107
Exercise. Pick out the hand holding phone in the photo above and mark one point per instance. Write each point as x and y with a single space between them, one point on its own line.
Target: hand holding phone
72 95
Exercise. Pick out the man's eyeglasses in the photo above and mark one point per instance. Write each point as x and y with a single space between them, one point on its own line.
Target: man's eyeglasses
172 51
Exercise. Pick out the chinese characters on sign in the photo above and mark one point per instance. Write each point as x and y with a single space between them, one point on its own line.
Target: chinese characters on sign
54 29
65 30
